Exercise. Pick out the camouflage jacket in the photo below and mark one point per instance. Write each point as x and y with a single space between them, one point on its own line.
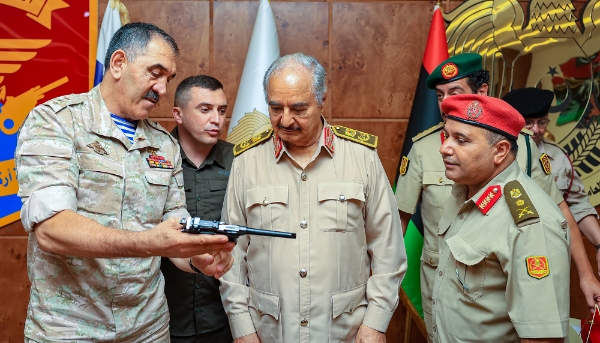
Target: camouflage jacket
71 156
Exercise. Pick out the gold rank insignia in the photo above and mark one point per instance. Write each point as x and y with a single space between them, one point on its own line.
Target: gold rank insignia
488 198
404 165
360 137
537 266
545 161
252 142
518 202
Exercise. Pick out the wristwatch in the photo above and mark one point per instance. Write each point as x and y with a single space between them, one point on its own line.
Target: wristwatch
198 270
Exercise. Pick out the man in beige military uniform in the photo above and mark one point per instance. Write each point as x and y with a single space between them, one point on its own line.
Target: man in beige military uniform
504 267
534 104
424 180
102 202
338 280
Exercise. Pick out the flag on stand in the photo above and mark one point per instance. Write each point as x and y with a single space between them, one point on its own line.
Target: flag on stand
110 24
250 112
423 115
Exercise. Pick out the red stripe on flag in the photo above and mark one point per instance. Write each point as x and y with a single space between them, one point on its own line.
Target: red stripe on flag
436 50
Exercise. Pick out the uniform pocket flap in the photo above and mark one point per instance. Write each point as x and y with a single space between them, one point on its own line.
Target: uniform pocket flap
46 147
563 182
436 178
347 301
464 252
264 303
158 177
266 194
430 257
444 224
101 164
217 185
334 190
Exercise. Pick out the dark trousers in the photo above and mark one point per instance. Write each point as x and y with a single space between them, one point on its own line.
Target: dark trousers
221 335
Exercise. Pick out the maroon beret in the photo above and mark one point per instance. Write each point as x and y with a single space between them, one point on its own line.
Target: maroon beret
484 111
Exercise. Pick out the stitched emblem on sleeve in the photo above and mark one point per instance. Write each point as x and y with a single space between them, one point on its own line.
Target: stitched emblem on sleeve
404 165
545 161
537 266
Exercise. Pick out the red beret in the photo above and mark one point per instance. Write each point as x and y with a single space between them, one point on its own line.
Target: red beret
484 111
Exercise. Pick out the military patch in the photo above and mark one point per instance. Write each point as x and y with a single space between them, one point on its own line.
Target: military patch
278 145
428 131
537 266
545 161
155 161
252 142
97 147
360 137
518 202
474 111
329 139
404 165
488 198
449 70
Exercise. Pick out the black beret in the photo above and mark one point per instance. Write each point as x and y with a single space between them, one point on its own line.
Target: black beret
530 102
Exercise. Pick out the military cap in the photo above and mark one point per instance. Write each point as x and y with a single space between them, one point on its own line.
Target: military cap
486 112
454 68
530 102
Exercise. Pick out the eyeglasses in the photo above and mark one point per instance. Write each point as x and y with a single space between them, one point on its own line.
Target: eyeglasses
540 123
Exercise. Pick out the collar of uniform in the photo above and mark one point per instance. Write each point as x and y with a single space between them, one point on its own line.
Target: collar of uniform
543 150
325 141
215 154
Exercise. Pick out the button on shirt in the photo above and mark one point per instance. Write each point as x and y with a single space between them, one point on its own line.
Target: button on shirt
313 288
71 156
194 301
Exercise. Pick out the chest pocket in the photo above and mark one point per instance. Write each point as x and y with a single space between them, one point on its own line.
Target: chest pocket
468 276
157 184
100 184
267 207
562 181
341 205
438 187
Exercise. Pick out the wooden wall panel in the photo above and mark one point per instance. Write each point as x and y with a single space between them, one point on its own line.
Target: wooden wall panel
14 287
377 50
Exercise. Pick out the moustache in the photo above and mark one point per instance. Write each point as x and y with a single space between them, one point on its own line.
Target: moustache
291 128
151 96
212 128
448 160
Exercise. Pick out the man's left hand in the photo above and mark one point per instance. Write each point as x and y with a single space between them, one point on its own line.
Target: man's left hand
214 264
591 290
367 335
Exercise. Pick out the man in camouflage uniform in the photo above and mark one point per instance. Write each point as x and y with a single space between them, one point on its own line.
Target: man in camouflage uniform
100 205
534 104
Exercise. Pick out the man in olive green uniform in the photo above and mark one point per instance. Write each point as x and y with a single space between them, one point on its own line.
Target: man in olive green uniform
423 180
504 266
534 104
338 280
194 301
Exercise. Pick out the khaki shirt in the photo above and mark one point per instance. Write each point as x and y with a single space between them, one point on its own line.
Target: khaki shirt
71 156
425 181
564 175
499 281
317 287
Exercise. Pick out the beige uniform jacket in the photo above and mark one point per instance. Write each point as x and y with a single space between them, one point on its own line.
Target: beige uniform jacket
565 175
501 279
71 156
425 181
318 287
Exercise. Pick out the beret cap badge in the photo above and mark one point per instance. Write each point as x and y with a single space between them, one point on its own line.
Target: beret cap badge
474 111
449 70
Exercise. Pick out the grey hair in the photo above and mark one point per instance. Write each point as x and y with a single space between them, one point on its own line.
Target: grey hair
309 63
492 138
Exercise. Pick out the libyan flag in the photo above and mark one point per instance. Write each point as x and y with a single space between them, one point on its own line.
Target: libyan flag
424 114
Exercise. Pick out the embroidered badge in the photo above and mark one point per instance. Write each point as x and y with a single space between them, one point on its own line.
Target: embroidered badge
545 161
278 144
537 266
355 136
449 70
97 147
155 161
521 207
474 111
488 198
252 142
404 165
329 139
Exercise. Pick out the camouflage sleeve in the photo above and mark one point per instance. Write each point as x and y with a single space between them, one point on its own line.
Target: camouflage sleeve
578 200
47 167
175 205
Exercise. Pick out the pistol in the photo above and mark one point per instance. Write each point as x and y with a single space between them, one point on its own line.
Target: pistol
214 227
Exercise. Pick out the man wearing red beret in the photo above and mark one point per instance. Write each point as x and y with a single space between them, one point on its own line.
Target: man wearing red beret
501 274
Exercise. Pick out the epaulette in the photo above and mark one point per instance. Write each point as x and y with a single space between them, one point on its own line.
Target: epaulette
526 132
428 131
61 102
551 142
359 137
252 142
521 207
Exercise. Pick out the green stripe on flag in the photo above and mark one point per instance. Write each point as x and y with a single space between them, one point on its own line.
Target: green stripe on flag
413 241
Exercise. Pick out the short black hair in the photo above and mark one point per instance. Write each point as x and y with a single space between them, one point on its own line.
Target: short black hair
492 138
182 94
478 79
133 38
